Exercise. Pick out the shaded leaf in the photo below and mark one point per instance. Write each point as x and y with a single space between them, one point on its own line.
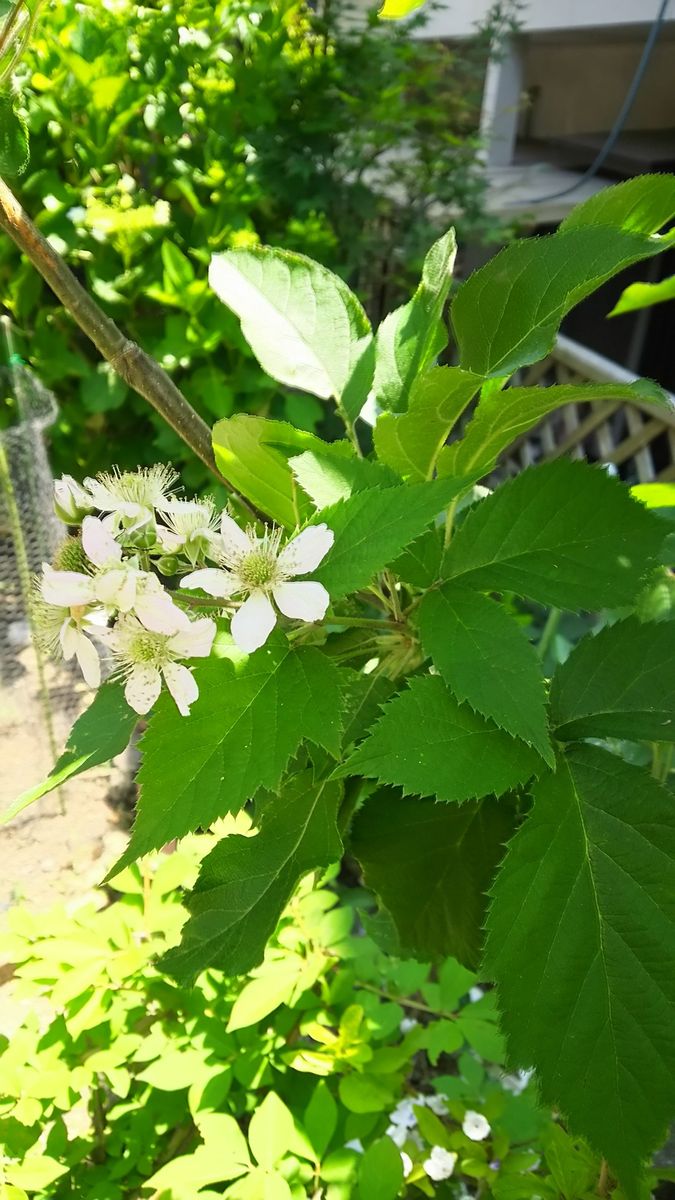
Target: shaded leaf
581 941
618 683
431 865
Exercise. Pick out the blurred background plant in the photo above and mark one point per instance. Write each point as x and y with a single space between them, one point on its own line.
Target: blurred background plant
161 134
332 1071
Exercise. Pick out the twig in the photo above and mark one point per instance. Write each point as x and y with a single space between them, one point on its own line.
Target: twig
132 364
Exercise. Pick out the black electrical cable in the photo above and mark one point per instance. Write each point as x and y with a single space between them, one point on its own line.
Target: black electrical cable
624 112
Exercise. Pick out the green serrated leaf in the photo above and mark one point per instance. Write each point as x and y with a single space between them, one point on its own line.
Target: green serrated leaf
411 337
502 417
98 735
249 720
431 865
363 697
644 295
429 745
410 443
581 942
327 479
246 882
507 314
397 514
485 659
563 533
304 325
618 683
642 205
254 452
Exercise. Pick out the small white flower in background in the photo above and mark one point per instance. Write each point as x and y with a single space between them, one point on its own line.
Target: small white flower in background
190 525
407 1164
408 1024
404 1115
193 37
355 1144
398 1134
145 657
475 1126
72 502
440 1164
117 585
475 994
131 497
76 214
437 1104
261 568
516 1083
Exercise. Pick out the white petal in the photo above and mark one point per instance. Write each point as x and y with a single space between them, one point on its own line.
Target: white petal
66 588
68 638
195 641
235 541
212 581
143 687
98 543
307 550
88 660
157 612
116 587
305 601
253 623
181 683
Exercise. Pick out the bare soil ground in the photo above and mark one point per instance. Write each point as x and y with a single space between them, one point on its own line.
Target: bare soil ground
63 844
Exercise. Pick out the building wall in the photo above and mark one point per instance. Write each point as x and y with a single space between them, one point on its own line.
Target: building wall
578 88
457 18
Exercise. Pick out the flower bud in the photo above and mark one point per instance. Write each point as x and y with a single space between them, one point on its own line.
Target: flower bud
167 564
71 501
141 536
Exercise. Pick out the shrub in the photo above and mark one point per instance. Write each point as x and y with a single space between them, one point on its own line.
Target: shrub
283 1084
161 134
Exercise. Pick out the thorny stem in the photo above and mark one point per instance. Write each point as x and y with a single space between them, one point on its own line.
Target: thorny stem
132 364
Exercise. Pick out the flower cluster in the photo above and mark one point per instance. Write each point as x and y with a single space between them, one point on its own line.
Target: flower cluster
402 1129
105 587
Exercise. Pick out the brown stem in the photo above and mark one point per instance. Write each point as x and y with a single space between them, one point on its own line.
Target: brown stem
135 367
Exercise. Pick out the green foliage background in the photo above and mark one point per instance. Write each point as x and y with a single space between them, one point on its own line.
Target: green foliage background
163 134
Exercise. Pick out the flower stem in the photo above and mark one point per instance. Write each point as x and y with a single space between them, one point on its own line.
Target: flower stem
548 632
132 364
405 1003
360 622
